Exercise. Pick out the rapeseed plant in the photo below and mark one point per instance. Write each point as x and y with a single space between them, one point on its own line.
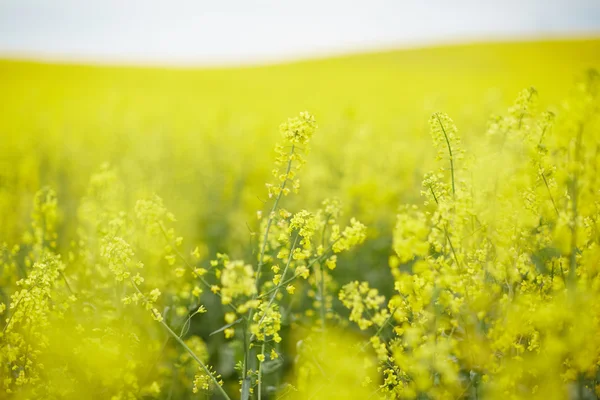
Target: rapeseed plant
492 282
493 294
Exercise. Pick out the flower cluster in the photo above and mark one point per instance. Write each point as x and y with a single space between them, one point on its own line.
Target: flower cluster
364 303
24 336
296 133
492 290
299 130
305 225
352 235
151 213
237 280
495 276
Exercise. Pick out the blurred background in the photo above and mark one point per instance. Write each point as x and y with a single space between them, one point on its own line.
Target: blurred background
107 102
235 31
184 98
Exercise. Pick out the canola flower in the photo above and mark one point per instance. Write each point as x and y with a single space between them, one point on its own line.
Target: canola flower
494 296
493 281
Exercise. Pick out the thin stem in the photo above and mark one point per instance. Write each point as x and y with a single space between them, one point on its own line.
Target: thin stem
434 196
271 215
322 296
66 282
452 247
261 262
195 357
186 348
549 192
388 319
278 287
310 264
246 357
446 230
260 367
543 175
574 200
449 151
322 282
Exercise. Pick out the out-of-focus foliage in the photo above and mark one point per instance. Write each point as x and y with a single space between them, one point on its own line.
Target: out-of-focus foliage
143 257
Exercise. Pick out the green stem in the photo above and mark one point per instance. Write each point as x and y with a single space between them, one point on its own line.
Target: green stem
549 192
388 319
271 215
195 357
66 282
446 231
449 151
322 283
451 247
261 263
322 296
278 287
260 367
574 200
186 348
310 264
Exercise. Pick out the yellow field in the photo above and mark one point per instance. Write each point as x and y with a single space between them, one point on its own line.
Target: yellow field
101 138
203 139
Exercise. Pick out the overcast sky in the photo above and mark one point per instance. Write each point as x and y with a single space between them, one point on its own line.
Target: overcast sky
234 31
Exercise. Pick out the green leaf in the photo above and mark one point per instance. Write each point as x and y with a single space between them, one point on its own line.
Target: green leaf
221 329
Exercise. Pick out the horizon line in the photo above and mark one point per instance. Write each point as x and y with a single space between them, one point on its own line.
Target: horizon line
334 52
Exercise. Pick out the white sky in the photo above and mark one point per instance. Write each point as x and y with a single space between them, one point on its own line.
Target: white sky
245 31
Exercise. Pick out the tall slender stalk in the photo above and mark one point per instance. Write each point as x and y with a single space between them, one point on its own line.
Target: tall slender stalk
322 282
260 368
247 335
574 192
310 264
186 348
195 357
322 296
271 215
278 287
449 151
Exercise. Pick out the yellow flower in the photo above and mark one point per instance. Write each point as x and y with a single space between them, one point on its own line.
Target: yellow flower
196 252
302 271
331 262
237 279
230 317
